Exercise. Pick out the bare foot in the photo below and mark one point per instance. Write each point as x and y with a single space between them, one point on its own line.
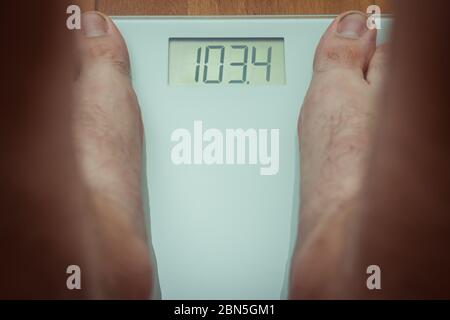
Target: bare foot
335 130
108 137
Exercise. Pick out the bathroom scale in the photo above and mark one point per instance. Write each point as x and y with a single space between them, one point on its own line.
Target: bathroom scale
220 98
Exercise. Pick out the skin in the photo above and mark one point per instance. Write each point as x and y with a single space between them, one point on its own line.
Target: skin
74 191
377 195
374 161
335 128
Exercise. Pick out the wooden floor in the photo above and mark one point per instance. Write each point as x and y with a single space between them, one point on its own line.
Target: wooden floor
229 7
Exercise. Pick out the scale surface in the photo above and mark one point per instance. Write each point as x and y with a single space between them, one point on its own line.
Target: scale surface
221 231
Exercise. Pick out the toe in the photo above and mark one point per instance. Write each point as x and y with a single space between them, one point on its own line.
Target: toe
103 89
101 43
378 65
347 44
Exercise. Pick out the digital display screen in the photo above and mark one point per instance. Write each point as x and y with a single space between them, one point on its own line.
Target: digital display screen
226 61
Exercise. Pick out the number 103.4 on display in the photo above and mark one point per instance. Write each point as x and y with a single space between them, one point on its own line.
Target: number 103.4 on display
256 61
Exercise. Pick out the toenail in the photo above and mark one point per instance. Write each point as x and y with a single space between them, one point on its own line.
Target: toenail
94 25
352 25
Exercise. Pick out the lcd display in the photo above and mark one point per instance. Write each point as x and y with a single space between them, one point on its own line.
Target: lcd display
226 61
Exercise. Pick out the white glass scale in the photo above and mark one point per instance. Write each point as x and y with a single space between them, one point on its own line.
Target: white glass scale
223 216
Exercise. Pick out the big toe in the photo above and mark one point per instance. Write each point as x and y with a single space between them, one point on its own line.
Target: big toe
347 44
104 84
107 118
101 46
